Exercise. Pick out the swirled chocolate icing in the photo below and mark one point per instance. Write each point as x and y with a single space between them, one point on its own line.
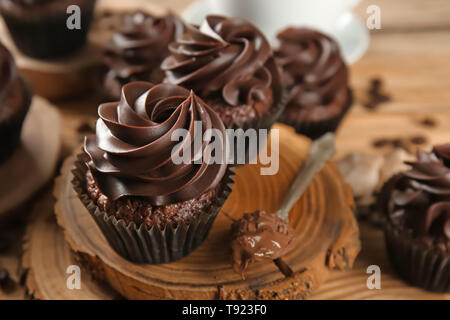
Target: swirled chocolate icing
137 49
259 235
418 200
131 152
226 58
314 73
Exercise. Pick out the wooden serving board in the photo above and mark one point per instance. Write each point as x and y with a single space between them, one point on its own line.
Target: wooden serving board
351 284
43 232
326 229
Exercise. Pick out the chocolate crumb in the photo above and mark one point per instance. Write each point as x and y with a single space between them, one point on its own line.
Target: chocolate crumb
398 143
85 128
418 140
406 144
379 143
428 122
375 96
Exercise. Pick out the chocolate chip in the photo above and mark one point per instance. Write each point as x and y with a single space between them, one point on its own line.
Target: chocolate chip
375 96
398 143
428 122
85 128
418 140
379 143
375 83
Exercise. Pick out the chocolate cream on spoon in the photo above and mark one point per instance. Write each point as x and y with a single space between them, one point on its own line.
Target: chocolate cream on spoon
262 235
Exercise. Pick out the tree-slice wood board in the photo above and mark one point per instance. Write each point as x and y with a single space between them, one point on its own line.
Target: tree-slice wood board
74 74
350 284
47 277
47 256
327 235
34 162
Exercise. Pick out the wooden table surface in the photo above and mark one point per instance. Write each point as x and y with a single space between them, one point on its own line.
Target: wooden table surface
411 54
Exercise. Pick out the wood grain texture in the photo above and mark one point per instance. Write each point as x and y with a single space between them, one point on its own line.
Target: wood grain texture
358 132
47 257
411 54
353 283
408 15
413 68
327 236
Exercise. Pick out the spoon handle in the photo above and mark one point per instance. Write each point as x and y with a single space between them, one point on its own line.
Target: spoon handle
321 150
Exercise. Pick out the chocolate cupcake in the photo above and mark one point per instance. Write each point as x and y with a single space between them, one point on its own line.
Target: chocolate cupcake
15 100
137 49
40 29
150 207
230 64
416 204
316 78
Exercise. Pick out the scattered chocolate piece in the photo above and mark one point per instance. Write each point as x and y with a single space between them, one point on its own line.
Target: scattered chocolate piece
85 128
406 144
379 143
375 96
428 122
375 84
418 140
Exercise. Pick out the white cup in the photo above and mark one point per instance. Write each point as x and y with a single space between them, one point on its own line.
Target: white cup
271 16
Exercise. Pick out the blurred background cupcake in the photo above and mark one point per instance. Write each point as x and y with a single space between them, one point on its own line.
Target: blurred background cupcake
229 63
416 204
40 30
316 77
137 49
15 100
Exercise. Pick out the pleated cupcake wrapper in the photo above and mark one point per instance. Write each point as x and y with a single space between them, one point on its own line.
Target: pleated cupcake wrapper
141 244
265 122
45 35
315 129
424 267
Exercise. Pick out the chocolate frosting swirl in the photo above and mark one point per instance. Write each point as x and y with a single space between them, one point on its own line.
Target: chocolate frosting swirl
227 57
138 47
131 152
313 71
419 199
443 152
259 235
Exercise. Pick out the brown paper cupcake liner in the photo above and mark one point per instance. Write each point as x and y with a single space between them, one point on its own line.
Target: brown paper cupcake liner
315 129
419 265
153 245
265 122
45 35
